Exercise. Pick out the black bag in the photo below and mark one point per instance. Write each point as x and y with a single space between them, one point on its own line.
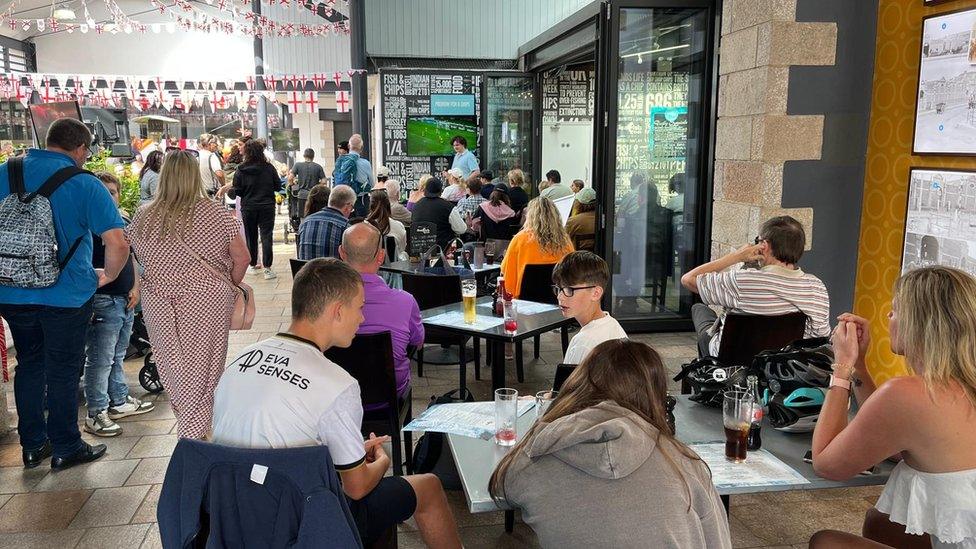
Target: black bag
432 454
360 208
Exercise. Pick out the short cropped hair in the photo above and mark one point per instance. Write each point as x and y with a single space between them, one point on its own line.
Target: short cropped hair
309 154
68 134
581 267
474 185
342 196
553 175
320 282
459 139
786 238
109 179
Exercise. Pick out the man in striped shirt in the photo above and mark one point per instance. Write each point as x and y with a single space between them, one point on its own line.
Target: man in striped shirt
778 288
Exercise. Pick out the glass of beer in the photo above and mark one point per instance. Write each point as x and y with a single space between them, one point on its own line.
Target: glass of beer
737 408
490 248
469 295
506 415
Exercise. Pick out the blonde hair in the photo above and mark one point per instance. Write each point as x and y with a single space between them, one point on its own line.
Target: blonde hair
516 178
424 180
936 309
542 219
180 188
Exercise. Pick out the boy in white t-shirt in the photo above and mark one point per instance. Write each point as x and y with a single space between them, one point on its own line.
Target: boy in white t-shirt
284 393
579 281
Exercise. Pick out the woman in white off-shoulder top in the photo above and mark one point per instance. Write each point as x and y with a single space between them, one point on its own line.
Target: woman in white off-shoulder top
928 419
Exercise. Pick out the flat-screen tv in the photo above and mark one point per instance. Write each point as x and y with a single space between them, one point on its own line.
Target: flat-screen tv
431 135
284 140
44 114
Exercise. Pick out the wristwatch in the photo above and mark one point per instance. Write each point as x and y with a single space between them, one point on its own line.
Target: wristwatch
840 382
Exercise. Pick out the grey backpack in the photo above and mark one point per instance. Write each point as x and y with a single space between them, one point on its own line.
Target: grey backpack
29 255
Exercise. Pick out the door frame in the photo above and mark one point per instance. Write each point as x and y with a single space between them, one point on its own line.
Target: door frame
483 135
604 165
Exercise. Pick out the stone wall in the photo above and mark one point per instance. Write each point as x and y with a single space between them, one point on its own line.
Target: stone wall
760 40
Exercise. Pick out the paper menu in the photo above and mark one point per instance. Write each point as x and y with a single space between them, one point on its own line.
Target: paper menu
470 419
760 468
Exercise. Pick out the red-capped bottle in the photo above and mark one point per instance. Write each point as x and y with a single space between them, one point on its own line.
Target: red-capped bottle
499 303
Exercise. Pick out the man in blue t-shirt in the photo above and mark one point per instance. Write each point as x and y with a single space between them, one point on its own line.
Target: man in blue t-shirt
49 325
464 159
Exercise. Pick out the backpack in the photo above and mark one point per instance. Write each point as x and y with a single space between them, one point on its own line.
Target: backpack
432 454
345 172
28 241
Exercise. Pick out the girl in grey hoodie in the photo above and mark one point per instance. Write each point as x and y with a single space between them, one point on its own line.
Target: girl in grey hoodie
602 469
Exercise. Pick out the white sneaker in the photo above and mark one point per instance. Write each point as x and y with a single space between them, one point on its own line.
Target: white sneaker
132 407
269 274
254 269
102 426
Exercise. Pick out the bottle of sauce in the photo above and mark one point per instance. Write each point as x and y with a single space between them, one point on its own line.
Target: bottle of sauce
498 302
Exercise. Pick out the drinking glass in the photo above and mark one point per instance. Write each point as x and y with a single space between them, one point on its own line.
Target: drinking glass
469 295
543 399
490 249
737 409
510 312
506 415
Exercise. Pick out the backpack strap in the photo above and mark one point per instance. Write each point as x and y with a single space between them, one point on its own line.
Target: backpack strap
48 188
15 176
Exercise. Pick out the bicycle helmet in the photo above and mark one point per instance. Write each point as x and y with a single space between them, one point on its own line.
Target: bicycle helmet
803 363
710 379
797 412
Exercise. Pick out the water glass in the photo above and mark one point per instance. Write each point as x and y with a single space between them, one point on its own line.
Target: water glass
506 416
543 399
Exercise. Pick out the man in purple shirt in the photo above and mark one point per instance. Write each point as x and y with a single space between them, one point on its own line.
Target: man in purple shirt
385 308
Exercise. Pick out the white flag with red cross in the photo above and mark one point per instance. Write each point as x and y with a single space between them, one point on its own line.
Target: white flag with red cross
342 100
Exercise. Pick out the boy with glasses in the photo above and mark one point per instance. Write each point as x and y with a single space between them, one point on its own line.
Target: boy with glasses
579 281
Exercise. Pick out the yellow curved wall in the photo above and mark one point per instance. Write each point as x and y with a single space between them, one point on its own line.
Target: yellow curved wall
889 157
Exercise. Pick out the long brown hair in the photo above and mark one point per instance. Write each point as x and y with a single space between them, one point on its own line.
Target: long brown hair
627 372
379 210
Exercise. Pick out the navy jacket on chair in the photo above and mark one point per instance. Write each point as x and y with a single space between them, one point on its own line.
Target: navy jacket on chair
217 496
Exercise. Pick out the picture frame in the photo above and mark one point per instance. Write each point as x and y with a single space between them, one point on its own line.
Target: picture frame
945 98
940 219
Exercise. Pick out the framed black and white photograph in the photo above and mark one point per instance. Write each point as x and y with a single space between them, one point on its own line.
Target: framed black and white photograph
945 108
940 226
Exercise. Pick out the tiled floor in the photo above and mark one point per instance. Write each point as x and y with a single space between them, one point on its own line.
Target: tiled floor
112 503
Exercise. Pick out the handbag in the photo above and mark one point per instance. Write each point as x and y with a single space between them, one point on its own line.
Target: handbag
243 316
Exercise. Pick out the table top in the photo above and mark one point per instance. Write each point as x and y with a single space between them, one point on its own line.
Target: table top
414 267
476 458
528 324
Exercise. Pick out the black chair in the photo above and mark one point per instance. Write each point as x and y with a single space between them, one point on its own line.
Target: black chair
744 336
436 291
296 265
562 373
369 359
391 249
536 286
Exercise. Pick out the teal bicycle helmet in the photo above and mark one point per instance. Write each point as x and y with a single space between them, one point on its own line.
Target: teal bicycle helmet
796 412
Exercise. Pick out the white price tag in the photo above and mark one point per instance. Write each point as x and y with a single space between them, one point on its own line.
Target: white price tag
258 472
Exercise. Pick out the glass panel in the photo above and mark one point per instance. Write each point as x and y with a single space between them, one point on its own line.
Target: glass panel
658 150
568 95
508 127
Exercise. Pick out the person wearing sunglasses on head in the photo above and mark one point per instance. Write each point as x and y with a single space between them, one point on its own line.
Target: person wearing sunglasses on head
579 281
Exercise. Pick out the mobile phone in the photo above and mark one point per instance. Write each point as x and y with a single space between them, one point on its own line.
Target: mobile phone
808 457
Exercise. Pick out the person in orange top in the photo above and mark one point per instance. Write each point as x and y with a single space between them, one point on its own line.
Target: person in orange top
542 240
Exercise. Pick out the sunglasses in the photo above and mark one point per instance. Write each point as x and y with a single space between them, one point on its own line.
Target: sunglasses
758 240
568 291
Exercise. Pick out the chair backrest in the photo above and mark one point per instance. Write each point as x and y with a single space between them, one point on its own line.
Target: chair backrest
391 248
432 290
296 265
562 372
501 246
744 336
369 359
537 284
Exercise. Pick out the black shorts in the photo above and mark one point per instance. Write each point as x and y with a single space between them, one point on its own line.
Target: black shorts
391 502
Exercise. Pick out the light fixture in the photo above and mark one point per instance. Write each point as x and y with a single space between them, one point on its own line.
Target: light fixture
658 50
640 59
64 14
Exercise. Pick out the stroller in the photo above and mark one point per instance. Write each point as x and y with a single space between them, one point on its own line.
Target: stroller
139 346
296 211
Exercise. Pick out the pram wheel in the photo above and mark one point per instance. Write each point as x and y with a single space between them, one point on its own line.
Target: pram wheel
149 376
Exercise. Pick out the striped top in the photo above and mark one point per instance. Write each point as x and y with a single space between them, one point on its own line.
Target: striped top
772 290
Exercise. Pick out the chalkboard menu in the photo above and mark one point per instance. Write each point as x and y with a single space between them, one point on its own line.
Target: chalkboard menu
423 236
652 126
422 110
568 96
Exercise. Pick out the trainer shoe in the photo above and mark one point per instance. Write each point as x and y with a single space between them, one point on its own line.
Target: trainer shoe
102 426
131 407
269 274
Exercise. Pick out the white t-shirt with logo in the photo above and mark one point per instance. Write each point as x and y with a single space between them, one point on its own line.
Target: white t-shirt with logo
283 393
594 333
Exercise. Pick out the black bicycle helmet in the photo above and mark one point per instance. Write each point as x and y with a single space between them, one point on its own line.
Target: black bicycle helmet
710 379
803 363
796 412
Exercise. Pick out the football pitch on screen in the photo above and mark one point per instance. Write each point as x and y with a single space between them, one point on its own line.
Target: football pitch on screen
432 137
